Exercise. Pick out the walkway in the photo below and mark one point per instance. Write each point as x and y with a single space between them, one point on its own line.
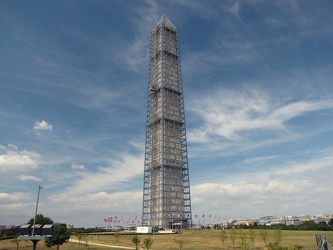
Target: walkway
100 245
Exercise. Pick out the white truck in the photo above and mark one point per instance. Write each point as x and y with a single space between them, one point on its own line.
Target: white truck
144 230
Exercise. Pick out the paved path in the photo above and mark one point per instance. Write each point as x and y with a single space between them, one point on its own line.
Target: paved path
100 245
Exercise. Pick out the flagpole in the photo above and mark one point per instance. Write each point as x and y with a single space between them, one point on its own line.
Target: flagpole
33 229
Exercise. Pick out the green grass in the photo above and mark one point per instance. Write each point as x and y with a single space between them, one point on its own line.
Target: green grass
197 240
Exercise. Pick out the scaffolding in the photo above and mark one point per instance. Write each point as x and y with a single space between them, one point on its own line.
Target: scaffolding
166 190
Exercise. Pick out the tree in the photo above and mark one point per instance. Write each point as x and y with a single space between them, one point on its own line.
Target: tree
136 241
233 236
277 235
252 236
181 242
40 219
223 236
59 237
16 241
147 242
243 240
330 222
264 235
86 239
307 225
275 246
296 247
79 235
117 235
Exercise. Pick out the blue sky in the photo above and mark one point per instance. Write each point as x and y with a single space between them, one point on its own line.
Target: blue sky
258 90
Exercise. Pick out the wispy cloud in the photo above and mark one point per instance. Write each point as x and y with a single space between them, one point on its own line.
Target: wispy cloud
133 53
29 178
234 9
259 159
122 169
231 113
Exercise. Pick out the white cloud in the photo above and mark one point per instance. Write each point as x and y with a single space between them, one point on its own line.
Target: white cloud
77 166
102 201
19 207
29 178
293 188
15 197
43 125
94 206
246 199
14 161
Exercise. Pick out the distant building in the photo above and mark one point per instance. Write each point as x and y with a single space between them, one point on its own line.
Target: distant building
248 222
292 222
270 221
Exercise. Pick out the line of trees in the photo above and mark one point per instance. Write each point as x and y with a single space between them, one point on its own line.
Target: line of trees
304 226
245 239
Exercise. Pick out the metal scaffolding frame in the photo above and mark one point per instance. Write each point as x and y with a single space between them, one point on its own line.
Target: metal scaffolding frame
166 190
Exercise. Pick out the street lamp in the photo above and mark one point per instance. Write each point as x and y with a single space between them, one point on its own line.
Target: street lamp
33 229
42 235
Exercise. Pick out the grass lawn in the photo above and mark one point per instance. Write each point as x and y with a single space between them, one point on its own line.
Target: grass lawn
197 239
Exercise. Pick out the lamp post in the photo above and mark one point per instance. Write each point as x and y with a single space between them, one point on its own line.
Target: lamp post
40 236
33 229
